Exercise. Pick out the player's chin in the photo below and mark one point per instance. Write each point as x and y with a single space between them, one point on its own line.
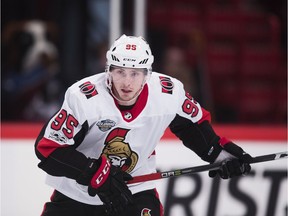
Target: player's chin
127 96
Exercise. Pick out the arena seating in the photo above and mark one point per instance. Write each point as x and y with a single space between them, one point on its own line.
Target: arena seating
240 52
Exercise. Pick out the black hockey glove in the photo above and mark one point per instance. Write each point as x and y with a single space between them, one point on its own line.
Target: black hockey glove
109 184
235 162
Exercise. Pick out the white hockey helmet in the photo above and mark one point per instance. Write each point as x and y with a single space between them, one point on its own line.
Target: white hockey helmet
130 52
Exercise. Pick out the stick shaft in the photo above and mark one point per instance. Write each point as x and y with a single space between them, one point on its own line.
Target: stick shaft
196 169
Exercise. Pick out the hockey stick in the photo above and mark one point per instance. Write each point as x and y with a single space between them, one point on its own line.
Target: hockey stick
196 169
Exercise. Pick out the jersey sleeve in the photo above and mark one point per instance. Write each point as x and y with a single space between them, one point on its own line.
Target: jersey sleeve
192 125
61 135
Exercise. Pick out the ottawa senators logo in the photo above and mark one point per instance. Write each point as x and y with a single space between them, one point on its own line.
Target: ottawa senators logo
88 89
167 85
145 212
118 151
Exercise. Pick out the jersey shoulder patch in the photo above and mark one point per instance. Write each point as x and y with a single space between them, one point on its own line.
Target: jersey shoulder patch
167 84
88 89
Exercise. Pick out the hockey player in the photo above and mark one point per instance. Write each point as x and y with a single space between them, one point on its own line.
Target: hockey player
106 132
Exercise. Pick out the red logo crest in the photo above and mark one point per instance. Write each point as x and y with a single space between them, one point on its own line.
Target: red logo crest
88 89
167 85
145 212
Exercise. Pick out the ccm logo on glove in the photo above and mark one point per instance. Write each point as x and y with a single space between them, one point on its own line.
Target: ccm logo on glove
102 173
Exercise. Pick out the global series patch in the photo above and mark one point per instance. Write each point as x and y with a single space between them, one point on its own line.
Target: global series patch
105 125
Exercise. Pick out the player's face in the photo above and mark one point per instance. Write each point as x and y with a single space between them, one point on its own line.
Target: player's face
127 83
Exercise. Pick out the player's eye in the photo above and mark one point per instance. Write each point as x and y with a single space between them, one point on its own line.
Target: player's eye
119 71
134 74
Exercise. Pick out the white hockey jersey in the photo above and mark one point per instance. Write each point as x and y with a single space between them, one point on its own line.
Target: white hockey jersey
128 138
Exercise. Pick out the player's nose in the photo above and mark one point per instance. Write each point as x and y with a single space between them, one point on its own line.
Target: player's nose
128 80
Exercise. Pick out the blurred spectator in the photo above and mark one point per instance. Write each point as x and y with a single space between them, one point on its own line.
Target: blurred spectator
30 90
98 35
174 64
279 8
